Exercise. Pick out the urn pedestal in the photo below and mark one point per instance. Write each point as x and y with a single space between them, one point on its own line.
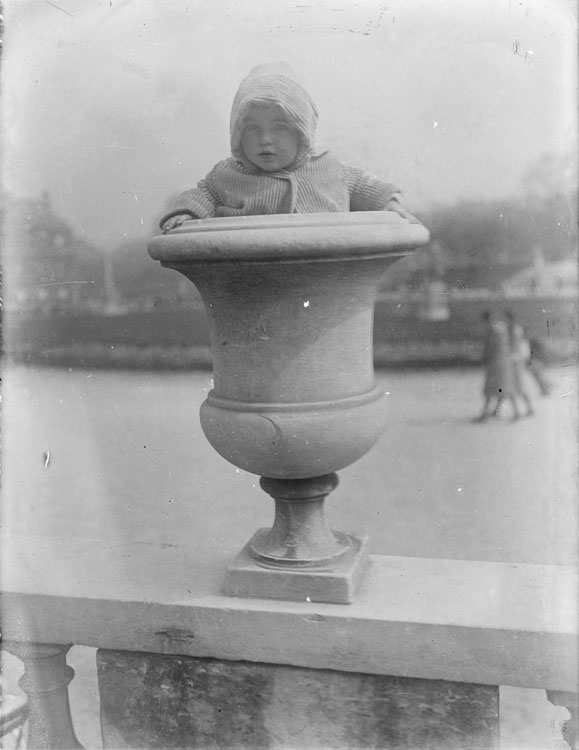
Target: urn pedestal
290 305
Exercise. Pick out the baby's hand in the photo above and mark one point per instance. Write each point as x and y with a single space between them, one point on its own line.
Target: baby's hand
175 219
174 222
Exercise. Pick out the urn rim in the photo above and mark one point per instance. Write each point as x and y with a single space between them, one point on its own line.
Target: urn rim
290 238
289 221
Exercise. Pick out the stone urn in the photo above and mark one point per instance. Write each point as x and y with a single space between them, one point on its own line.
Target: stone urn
290 304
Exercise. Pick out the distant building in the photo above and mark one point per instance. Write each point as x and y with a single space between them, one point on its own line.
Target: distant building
46 265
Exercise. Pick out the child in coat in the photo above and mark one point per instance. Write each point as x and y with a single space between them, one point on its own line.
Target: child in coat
274 167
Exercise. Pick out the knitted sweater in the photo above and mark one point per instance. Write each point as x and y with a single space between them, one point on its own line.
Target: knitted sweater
322 184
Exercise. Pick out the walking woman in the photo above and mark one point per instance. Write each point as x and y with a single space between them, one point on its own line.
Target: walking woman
520 353
500 378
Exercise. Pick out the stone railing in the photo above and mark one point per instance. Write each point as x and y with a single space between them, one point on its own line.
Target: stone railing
437 624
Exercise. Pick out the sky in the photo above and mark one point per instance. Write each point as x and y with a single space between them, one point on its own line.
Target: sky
116 106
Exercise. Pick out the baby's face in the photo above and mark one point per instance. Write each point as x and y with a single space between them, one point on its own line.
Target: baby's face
269 139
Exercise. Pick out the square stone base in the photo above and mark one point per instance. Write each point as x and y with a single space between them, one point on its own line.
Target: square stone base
334 585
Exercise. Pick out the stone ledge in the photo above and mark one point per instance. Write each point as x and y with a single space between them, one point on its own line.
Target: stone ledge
457 620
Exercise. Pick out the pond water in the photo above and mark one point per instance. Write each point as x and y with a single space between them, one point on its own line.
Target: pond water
121 456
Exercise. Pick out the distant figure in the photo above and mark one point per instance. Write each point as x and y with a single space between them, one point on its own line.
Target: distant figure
520 353
538 357
500 380
274 167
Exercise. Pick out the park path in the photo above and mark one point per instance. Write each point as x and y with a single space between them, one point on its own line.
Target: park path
121 456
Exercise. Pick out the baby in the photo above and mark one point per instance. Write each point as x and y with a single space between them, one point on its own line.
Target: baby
275 167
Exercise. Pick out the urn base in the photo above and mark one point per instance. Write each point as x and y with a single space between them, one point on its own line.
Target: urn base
334 583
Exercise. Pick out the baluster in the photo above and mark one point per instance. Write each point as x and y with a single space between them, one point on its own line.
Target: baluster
570 729
45 681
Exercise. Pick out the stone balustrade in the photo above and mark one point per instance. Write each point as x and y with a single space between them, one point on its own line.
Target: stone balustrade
439 622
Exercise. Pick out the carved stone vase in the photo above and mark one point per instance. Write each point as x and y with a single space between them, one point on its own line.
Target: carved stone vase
290 304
